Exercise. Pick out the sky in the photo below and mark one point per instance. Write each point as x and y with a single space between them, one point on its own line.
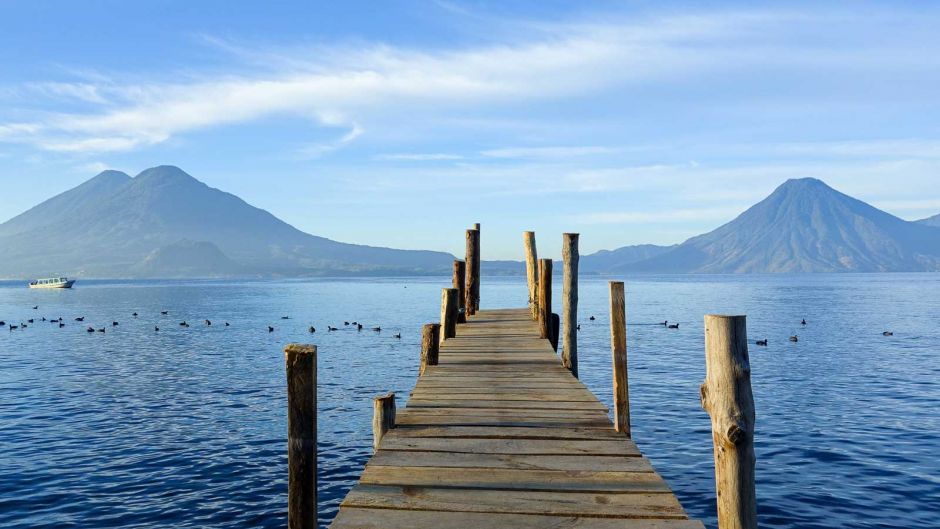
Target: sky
401 123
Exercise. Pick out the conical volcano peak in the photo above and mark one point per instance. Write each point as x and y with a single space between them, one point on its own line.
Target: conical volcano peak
165 175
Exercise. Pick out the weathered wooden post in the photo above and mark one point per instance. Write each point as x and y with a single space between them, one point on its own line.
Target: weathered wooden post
473 272
383 417
532 272
569 308
618 349
545 298
459 282
430 346
726 396
448 313
301 362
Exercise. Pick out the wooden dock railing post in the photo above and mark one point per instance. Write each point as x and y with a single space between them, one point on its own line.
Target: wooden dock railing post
569 309
459 282
532 272
301 363
726 396
545 298
430 346
473 272
383 417
448 313
618 349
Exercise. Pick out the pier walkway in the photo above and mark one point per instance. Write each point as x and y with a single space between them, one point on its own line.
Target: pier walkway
500 435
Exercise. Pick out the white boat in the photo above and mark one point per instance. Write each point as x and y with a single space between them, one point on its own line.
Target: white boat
52 282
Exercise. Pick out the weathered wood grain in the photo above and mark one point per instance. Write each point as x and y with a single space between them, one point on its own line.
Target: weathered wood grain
301 367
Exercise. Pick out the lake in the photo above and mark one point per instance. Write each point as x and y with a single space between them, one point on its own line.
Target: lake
186 427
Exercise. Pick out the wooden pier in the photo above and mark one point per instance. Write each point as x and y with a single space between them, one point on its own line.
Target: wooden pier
499 433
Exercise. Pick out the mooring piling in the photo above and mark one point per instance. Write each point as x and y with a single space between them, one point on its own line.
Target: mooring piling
459 282
301 368
532 272
473 272
569 309
448 313
545 298
430 346
726 396
618 349
383 417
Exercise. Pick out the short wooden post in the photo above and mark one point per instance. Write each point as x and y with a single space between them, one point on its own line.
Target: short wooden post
569 306
459 282
430 346
383 417
473 272
532 272
545 298
556 324
448 313
301 362
618 349
726 396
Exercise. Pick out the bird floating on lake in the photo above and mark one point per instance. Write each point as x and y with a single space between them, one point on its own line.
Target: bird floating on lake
270 329
329 328
80 319
673 326
114 324
14 327
29 320
208 323
184 324
377 329
358 326
90 329
592 318
61 325
762 343
156 329
345 323
312 329
398 336
285 317
226 324
887 333
101 329
794 338
803 321
164 312
36 307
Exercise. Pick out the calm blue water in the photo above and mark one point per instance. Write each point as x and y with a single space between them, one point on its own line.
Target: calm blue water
186 427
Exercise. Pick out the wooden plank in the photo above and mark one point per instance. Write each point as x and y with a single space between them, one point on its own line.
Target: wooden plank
515 479
505 414
507 404
638 505
594 463
360 518
472 432
620 447
478 420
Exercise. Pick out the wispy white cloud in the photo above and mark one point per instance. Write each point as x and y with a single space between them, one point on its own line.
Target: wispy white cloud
359 82
548 152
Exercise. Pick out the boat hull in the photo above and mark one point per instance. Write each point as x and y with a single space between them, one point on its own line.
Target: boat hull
67 284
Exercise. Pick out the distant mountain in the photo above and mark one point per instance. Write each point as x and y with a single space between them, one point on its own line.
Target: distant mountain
931 221
607 260
117 226
804 226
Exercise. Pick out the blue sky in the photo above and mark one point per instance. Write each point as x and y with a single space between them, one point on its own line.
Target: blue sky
400 123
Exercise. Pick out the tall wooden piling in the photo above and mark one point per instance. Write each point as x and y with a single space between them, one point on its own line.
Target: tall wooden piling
448 313
430 346
301 363
459 282
545 298
618 349
473 272
383 417
726 396
555 325
532 272
569 308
